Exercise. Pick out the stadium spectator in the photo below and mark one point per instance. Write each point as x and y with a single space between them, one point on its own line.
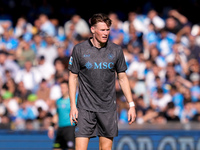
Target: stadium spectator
160 101
177 99
175 21
8 42
188 112
24 53
37 42
29 76
135 20
195 89
5 122
7 64
196 117
9 86
21 92
170 113
61 55
11 104
153 17
116 33
46 69
76 25
44 91
46 26
49 51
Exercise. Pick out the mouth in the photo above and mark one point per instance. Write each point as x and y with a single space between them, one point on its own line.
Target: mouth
104 37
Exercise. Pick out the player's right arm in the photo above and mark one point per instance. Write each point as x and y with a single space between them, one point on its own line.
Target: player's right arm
73 80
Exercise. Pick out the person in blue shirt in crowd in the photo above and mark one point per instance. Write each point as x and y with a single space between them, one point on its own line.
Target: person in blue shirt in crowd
177 99
7 42
65 133
195 89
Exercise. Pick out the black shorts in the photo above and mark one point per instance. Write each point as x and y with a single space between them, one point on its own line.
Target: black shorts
91 124
65 138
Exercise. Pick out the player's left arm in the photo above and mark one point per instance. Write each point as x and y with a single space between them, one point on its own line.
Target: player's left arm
124 83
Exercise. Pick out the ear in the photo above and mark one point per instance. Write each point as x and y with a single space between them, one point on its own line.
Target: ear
92 29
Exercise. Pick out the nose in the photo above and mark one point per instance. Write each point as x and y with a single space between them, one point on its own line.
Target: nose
106 32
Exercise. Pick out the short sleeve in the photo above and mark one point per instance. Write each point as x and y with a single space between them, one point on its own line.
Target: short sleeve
74 65
121 63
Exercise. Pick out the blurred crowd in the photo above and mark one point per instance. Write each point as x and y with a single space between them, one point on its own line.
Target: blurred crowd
162 55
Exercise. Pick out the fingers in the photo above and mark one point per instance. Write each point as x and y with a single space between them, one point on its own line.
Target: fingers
74 117
131 117
50 134
131 120
71 120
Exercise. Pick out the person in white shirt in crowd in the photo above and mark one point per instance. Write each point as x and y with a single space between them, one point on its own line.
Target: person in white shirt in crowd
30 76
137 23
49 51
138 66
159 103
151 76
20 27
153 17
46 25
80 26
45 68
7 64
23 28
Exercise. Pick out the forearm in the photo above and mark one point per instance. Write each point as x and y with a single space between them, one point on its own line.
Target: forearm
54 121
124 84
73 80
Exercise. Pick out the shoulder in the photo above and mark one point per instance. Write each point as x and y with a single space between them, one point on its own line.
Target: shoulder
116 49
58 100
82 45
113 45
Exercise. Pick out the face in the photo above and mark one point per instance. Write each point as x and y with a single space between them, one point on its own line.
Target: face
64 88
100 32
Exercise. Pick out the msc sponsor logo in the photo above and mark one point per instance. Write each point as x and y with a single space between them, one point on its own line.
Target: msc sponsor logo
101 65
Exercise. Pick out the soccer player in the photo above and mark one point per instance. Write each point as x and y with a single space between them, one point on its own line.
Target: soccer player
65 134
94 64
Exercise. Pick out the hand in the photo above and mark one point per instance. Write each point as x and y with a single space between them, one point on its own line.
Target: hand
131 115
51 133
73 115
173 13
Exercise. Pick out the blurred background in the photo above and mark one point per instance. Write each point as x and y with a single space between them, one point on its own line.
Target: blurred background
161 45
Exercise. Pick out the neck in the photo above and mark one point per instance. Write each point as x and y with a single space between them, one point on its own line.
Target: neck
66 95
97 44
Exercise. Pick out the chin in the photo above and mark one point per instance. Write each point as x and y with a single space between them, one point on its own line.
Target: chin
104 40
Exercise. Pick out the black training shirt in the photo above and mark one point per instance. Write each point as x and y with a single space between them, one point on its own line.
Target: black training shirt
96 73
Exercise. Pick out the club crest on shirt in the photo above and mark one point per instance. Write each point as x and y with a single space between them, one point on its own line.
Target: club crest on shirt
88 65
70 60
110 56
